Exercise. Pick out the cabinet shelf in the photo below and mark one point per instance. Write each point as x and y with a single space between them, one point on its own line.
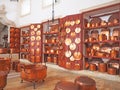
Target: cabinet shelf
102 57
51 33
106 26
106 41
51 53
51 43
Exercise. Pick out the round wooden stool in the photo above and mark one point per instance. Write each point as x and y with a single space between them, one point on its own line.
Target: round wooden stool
102 67
65 85
92 67
85 83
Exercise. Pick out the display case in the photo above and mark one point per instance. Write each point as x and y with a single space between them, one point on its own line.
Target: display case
51 41
70 53
35 43
24 42
102 37
14 40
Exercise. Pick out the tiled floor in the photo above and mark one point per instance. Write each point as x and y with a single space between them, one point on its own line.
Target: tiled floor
56 74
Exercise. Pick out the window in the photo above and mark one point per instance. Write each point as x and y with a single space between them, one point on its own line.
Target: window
25 7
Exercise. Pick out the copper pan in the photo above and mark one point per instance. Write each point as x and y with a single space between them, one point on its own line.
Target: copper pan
68 41
32 32
77 40
32 26
77 21
38 38
68 53
72 58
77 55
38 26
77 29
72 46
68 30
32 38
38 33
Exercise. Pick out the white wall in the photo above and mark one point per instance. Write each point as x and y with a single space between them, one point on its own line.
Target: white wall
39 14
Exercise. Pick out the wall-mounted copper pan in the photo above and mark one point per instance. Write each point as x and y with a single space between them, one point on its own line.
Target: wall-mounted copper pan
32 32
32 38
38 32
68 30
77 21
77 29
72 58
68 41
77 40
38 26
68 53
32 27
72 46
77 55
38 38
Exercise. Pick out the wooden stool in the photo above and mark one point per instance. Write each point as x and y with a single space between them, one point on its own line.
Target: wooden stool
102 67
85 83
65 85
93 67
112 71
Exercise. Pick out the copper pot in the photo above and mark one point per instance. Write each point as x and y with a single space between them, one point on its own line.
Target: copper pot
77 66
68 65
49 59
113 53
102 67
112 71
37 51
55 59
93 67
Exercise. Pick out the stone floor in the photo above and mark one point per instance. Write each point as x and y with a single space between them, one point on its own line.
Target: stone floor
55 74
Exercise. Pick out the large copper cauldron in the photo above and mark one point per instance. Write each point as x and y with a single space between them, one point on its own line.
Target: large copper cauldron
3 79
33 73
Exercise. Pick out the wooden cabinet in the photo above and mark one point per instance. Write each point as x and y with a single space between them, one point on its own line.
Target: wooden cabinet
24 42
51 41
70 53
14 40
35 43
102 36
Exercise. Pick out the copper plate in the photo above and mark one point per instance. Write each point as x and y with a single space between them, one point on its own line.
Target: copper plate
32 38
32 26
68 53
68 30
38 33
77 40
68 41
72 46
77 30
